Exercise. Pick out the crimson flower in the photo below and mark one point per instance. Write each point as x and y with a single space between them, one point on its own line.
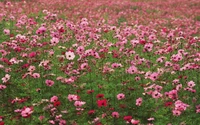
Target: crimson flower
167 104
91 112
57 103
128 118
2 123
101 103
100 96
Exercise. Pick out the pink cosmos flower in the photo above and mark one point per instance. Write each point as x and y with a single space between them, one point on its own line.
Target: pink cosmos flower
191 84
156 94
6 31
150 119
139 101
132 70
120 96
135 122
31 69
32 54
80 50
84 66
62 122
179 105
115 114
70 55
26 112
173 94
116 65
154 76
2 87
52 122
54 41
36 75
79 103
49 82
41 30
54 99
148 47
6 78
3 52
197 108
72 97
176 112
41 117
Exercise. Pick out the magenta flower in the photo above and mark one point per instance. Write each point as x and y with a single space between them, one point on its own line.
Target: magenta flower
32 54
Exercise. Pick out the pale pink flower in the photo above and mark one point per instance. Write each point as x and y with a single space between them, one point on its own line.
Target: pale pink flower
120 96
54 41
135 122
139 101
70 55
6 78
6 31
36 75
79 103
72 97
52 122
191 84
31 68
176 112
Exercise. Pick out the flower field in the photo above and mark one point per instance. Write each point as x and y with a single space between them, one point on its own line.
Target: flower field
106 62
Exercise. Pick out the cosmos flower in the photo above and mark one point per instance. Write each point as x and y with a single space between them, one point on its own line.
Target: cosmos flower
70 55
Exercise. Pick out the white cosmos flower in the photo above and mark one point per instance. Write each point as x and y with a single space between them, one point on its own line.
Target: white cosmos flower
70 55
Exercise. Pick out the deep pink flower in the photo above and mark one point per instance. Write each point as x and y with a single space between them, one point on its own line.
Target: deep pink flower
32 54
115 114
102 103
128 118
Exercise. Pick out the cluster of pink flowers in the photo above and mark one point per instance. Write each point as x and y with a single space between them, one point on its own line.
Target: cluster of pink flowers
99 58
